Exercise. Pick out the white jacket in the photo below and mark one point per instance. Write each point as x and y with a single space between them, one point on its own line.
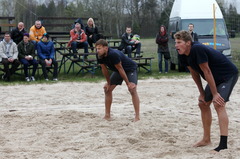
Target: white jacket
13 50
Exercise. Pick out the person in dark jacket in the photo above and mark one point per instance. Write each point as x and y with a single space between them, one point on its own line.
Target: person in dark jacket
193 34
45 49
92 33
26 55
18 32
129 44
163 51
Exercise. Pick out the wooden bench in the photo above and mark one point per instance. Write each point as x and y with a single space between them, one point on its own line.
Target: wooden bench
87 65
59 27
144 62
68 56
6 24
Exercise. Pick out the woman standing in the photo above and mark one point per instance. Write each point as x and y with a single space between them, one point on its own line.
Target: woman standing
163 51
92 32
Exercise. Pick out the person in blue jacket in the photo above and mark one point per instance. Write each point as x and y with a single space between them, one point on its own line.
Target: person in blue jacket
45 50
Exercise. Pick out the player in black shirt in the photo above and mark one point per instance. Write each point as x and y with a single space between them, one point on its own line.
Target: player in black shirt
123 69
220 74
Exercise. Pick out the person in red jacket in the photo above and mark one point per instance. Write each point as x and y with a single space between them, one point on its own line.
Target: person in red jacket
78 39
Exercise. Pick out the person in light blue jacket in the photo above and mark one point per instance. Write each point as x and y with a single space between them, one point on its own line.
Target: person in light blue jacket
46 51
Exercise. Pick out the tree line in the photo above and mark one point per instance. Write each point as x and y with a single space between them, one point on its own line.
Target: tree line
144 16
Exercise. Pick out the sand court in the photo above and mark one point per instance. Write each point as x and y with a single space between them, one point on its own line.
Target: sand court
63 120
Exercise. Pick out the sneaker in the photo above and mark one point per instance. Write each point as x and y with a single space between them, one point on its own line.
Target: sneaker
27 79
55 79
4 76
46 79
160 72
138 56
32 78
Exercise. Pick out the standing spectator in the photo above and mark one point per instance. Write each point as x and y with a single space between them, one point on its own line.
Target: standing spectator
26 56
8 55
36 32
193 34
163 51
92 32
78 40
124 69
220 74
45 49
129 45
17 33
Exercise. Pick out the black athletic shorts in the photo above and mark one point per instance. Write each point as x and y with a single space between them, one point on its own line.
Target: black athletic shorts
224 89
116 78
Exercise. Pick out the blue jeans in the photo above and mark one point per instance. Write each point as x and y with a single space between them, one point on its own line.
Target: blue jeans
35 44
130 48
27 63
76 45
160 56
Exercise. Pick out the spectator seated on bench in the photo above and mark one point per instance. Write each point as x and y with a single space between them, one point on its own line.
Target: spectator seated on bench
18 32
45 49
36 32
8 55
78 40
129 43
92 33
26 56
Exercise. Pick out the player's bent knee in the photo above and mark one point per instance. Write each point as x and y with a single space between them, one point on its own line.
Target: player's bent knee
201 104
133 90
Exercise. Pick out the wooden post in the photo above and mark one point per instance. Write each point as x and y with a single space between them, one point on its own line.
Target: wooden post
214 28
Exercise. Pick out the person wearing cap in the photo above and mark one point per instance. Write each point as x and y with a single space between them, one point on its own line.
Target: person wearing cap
17 33
26 56
8 56
78 40
46 51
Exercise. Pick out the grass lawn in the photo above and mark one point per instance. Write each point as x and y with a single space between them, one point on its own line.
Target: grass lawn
149 47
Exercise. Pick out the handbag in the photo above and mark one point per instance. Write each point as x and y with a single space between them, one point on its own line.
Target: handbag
166 55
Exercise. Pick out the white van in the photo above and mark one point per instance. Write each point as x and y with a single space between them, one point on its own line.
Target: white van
199 13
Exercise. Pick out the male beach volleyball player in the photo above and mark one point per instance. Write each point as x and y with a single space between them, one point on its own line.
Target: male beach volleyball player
221 76
123 69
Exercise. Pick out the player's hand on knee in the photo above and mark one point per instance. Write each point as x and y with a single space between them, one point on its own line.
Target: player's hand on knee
217 99
131 86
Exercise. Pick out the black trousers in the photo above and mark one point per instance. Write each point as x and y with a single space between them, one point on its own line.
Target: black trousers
44 68
12 70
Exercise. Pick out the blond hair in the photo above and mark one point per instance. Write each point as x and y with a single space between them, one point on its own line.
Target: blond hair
91 19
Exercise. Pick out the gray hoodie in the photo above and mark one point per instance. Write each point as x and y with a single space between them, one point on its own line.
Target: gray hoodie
8 50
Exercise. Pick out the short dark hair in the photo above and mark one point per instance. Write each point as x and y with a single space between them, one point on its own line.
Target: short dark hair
101 42
7 33
191 24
